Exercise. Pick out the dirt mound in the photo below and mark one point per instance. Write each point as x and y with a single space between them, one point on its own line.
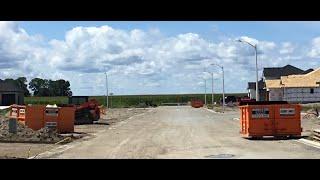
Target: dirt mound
25 134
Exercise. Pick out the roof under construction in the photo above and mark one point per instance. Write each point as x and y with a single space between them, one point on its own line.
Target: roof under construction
311 79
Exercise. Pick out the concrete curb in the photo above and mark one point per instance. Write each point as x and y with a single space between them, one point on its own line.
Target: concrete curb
309 143
213 111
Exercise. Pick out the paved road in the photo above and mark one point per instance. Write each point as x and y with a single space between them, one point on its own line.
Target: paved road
182 132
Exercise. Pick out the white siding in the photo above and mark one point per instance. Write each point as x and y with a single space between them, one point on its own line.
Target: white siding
275 94
301 94
252 93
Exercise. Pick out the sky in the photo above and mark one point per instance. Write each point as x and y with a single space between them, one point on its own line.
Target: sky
153 57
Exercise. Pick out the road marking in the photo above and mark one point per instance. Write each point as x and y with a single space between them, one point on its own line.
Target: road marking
309 143
236 119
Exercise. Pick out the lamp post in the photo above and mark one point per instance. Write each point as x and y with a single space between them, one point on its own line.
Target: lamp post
107 90
256 54
223 97
205 89
212 94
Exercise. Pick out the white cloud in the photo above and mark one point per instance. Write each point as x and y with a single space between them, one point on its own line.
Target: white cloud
287 48
137 61
315 48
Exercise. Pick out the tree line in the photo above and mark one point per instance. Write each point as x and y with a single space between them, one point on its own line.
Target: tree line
42 87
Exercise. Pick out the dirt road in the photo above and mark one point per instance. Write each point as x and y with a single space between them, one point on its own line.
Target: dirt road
180 132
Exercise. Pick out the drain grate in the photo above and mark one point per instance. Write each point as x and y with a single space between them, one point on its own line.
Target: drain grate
220 156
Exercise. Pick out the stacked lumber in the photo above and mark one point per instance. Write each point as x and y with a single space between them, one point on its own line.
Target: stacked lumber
316 134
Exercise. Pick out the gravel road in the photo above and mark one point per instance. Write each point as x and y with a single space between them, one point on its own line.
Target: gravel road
180 132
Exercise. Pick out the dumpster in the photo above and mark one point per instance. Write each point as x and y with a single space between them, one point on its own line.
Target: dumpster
34 118
278 119
17 112
39 116
196 103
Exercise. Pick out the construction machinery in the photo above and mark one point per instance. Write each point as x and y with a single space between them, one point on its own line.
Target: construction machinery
87 110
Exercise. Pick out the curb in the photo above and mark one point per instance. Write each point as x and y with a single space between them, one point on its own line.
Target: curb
309 143
213 111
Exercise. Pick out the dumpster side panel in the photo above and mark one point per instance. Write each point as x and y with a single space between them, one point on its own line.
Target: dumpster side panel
261 120
288 119
66 119
34 117
51 117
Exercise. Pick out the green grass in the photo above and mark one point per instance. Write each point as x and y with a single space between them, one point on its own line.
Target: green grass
130 100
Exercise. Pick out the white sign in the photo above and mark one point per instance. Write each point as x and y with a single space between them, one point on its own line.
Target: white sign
260 113
287 111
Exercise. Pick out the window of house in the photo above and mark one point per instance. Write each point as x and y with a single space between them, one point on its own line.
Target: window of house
311 90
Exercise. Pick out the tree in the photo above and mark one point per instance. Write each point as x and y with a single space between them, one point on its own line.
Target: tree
40 87
45 87
21 81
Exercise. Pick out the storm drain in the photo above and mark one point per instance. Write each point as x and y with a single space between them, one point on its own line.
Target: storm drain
220 156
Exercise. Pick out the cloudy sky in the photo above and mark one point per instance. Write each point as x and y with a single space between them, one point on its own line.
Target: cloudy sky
153 57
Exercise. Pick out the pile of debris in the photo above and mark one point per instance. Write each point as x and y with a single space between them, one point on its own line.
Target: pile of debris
25 134
311 114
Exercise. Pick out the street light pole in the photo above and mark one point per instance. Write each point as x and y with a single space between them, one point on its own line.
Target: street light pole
107 90
257 78
205 91
256 54
223 95
212 89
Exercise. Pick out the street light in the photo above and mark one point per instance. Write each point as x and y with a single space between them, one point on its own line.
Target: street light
257 78
212 94
205 89
107 90
223 98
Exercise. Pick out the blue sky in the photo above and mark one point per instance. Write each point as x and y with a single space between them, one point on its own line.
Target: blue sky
152 57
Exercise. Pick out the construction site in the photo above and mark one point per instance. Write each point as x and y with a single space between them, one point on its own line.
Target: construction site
84 129
105 92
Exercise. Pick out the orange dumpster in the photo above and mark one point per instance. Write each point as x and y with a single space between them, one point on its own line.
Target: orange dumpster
66 118
17 112
34 117
260 119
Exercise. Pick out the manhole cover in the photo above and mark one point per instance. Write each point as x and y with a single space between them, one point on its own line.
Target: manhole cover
220 156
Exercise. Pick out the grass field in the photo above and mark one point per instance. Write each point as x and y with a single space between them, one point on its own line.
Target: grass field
131 100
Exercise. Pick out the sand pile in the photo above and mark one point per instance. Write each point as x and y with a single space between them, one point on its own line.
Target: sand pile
25 134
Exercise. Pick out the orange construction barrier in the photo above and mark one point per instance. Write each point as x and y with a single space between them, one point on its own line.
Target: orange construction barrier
258 120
